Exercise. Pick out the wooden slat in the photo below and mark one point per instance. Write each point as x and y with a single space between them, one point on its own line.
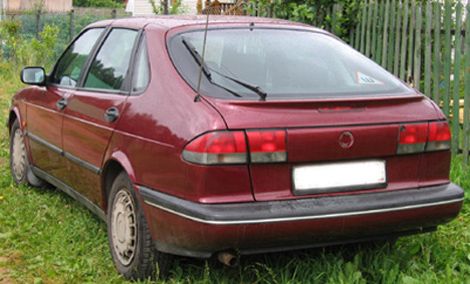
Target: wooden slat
427 50
466 108
417 49
456 94
447 54
363 27
391 51
396 56
368 28
373 46
357 35
380 25
385 35
404 37
436 66
411 29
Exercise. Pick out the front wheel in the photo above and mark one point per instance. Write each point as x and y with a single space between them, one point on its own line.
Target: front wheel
129 239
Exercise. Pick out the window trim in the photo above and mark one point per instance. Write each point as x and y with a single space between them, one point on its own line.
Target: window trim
98 41
142 42
125 90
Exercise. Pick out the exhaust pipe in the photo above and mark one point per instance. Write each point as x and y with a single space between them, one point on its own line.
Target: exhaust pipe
229 259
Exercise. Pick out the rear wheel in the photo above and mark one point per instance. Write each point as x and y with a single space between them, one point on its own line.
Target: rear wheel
19 163
129 239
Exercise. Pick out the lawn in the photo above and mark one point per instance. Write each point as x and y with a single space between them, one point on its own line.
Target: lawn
46 237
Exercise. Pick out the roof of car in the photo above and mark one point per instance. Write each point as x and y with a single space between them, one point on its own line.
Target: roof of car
178 21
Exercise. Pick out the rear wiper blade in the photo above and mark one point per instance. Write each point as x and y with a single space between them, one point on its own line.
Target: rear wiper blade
198 58
260 92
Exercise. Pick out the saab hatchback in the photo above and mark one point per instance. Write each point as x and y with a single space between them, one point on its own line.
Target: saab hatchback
253 135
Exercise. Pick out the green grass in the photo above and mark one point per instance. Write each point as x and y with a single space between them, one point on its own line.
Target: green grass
46 237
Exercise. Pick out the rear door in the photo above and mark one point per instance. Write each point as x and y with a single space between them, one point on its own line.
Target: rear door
93 110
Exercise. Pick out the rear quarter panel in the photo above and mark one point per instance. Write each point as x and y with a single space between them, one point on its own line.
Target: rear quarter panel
156 125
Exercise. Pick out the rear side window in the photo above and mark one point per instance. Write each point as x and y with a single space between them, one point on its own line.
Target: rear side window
110 66
141 75
70 65
283 63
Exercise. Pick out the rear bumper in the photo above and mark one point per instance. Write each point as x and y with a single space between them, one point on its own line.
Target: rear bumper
186 228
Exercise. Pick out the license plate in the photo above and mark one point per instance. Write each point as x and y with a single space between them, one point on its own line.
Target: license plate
334 177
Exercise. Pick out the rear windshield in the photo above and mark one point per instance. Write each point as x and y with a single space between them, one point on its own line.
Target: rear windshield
281 63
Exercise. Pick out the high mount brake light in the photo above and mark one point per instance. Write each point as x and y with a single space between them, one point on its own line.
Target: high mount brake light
423 137
230 147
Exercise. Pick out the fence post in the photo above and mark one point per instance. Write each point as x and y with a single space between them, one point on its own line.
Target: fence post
447 55
71 24
456 95
391 38
38 22
427 50
363 27
374 31
368 25
396 54
378 48
417 49
385 35
404 34
411 29
466 110
436 96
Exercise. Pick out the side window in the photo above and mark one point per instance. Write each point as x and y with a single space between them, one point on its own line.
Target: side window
141 75
70 66
109 68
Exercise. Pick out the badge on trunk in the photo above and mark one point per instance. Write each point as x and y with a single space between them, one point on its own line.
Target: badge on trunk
346 140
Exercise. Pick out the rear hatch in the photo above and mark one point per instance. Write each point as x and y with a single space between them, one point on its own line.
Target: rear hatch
341 147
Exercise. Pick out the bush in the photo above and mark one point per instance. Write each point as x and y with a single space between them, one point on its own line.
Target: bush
19 51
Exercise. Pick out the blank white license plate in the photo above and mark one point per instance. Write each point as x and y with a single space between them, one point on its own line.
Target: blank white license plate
336 176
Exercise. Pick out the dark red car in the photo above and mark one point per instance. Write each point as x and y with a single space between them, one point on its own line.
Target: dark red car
267 136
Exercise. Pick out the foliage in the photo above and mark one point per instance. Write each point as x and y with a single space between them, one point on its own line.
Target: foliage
99 3
314 12
23 51
174 8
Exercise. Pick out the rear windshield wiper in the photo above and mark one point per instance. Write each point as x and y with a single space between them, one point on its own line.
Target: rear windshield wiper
262 94
198 58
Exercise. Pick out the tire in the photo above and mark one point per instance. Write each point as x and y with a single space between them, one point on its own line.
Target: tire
19 163
129 239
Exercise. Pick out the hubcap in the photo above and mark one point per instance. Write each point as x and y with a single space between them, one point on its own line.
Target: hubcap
124 227
18 155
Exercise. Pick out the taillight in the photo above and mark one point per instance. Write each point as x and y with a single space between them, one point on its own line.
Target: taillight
412 138
223 147
230 147
267 146
420 137
439 136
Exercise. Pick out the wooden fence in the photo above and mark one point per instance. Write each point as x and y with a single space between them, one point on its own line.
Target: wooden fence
423 43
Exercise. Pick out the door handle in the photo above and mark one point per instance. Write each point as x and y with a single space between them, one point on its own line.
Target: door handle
111 114
61 104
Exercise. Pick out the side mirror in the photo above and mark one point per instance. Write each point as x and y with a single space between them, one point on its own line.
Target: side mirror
33 76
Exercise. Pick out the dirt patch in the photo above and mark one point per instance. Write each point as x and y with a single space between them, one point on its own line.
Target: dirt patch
4 273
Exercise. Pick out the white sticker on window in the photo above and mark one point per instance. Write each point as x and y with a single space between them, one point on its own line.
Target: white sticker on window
368 80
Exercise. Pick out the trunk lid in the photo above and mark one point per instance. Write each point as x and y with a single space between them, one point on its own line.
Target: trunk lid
319 132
